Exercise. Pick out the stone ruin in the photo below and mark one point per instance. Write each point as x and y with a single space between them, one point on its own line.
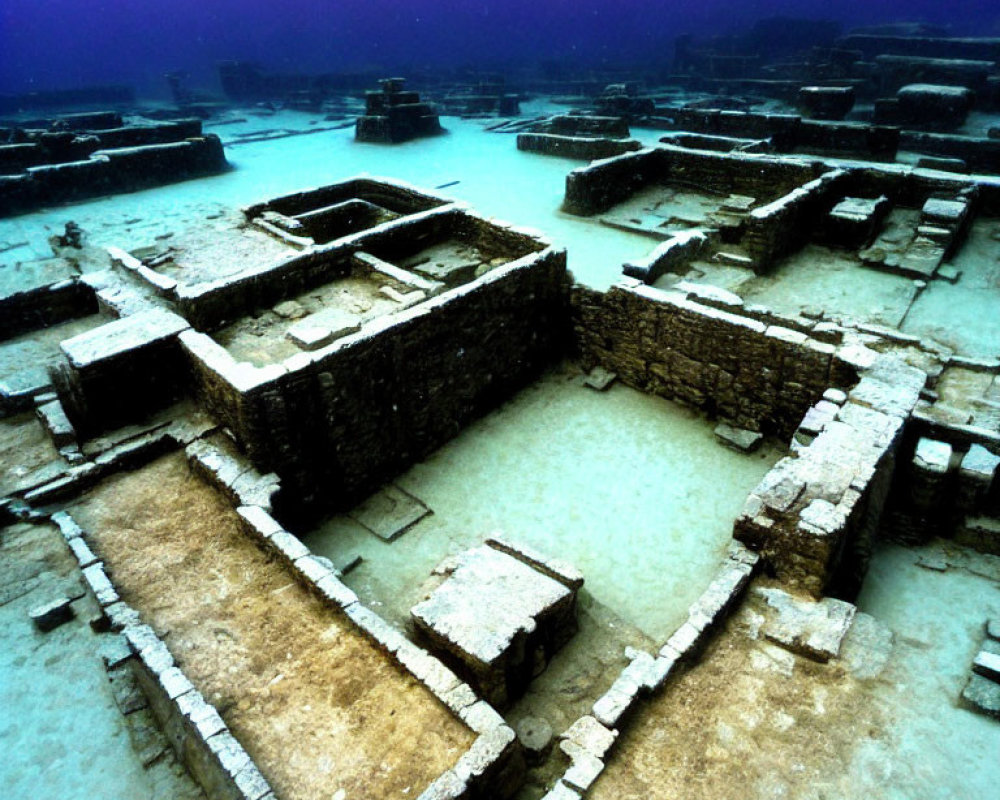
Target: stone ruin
83 155
393 115
310 353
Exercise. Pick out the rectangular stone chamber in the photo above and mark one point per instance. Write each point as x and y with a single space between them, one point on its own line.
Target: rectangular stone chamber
322 214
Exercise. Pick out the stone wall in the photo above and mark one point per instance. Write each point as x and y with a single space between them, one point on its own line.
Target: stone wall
598 187
43 306
784 226
587 148
751 374
111 171
338 422
814 515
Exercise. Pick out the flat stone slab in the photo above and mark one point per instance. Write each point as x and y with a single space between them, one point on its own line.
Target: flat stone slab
599 378
115 338
390 512
949 212
987 664
52 614
857 208
489 600
813 629
738 438
982 695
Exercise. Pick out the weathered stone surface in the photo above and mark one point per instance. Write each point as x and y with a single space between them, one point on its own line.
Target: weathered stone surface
814 629
866 648
738 438
174 683
993 629
52 614
561 571
987 664
81 550
535 736
590 735
584 769
121 336
485 754
390 512
932 456
683 642
100 585
288 545
489 603
599 378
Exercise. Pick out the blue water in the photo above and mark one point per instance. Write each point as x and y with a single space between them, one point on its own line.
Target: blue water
56 44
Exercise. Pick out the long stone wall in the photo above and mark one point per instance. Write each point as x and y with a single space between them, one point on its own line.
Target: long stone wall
751 374
111 171
587 148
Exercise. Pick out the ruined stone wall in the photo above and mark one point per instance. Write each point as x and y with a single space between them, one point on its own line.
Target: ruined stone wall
209 306
782 227
754 375
392 195
593 189
110 171
814 515
587 148
979 154
353 415
44 306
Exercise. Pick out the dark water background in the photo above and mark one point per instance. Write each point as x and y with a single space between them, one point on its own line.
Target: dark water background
46 44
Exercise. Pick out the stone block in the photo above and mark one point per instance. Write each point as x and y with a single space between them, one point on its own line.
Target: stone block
813 629
102 588
495 614
987 664
584 770
590 735
82 552
982 695
52 614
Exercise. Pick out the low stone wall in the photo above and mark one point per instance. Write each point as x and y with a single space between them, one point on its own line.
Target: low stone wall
790 132
587 743
979 154
337 422
493 767
814 515
751 374
202 741
111 171
390 194
587 148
